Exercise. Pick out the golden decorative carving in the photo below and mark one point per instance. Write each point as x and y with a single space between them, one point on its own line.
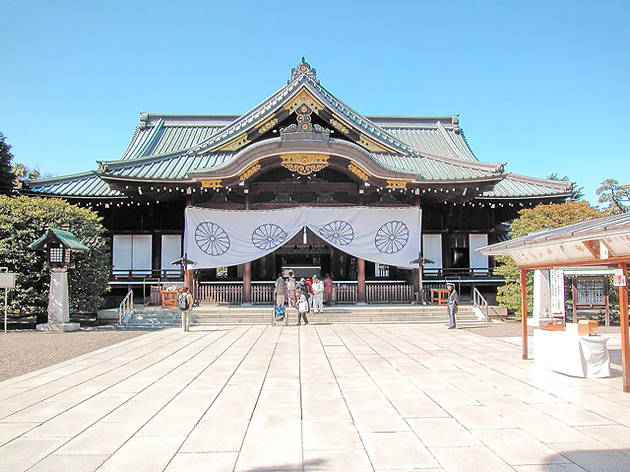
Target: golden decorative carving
303 98
304 164
396 183
359 171
211 183
249 171
236 143
372 145
339 126
262 129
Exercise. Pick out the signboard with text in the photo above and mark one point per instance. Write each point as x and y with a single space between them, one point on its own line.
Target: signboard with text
619 280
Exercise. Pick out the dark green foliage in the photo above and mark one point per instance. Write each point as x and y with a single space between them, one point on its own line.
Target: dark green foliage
7 179
22 221
529 220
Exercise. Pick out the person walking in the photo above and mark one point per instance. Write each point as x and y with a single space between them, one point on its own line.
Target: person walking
280 291
318 294
452 302
185 304
302 306
328 290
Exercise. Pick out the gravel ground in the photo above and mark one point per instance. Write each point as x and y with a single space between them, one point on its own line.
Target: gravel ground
25 351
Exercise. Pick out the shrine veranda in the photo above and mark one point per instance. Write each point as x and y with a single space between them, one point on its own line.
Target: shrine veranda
303 147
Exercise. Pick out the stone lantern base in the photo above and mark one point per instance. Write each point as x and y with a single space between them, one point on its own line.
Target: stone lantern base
58 313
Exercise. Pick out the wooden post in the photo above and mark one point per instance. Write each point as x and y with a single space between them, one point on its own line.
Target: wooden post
623 323
524 311
361 280
247 283
247 271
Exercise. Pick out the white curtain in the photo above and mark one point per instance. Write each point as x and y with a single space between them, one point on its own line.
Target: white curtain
215 238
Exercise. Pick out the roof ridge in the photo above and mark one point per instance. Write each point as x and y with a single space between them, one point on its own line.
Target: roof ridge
79 175
495 167
561 184
447 140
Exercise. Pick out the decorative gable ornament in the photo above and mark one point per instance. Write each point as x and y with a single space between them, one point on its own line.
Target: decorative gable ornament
303 68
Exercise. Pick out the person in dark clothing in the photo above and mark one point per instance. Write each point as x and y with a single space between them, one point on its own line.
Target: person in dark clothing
452 302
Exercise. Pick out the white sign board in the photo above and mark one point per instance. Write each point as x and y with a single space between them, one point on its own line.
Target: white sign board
557 292
619 280
7 280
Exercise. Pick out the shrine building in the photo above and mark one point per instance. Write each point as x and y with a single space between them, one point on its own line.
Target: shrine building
304 182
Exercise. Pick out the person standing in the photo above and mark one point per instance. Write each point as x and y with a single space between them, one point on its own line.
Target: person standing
328 290
185 304
280 291
452 302
302 306
318 294
291 286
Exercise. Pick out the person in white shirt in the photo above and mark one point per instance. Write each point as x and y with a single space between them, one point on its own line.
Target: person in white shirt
318 294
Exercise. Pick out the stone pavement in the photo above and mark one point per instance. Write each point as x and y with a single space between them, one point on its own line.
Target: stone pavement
336 397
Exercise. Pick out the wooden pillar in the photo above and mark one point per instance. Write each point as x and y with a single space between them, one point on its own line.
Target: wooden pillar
360 280
247 271
623 323
524 311
417 283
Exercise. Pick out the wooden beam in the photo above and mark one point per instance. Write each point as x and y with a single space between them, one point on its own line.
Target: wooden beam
623 323
589 246
612 262
524 311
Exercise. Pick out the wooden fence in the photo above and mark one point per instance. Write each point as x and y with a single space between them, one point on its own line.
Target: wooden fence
344 293
388 293
231 294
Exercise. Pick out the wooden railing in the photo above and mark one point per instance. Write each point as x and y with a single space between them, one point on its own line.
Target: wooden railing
480 302
262 293
388 293
230 293
461 273
126 307
345 292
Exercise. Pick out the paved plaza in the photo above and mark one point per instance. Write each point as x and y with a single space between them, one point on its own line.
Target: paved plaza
335 397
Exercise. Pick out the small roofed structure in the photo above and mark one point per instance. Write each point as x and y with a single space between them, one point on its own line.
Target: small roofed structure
59 245
600 242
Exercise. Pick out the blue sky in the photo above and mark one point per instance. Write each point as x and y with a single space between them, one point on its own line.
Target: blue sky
542 86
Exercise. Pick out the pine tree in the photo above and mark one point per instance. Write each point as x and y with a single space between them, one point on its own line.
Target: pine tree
7 179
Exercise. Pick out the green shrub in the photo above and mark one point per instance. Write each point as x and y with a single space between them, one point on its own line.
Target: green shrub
22 221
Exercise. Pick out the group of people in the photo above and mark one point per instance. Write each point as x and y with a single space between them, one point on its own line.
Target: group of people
305 295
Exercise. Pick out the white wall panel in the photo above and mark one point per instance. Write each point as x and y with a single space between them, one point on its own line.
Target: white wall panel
432 249
171 250
122 249
141 257
477 260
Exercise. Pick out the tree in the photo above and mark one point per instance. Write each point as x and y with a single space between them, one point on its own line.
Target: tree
577 193
616 196
6 175
529 220
22 221
22 172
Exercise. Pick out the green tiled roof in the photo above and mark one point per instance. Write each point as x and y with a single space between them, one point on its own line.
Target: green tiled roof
87 184
65 237
520 186
170 134
168 168
436 169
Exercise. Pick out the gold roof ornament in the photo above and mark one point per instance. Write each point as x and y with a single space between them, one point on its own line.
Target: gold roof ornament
211 183
359 171
304 164
249 171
